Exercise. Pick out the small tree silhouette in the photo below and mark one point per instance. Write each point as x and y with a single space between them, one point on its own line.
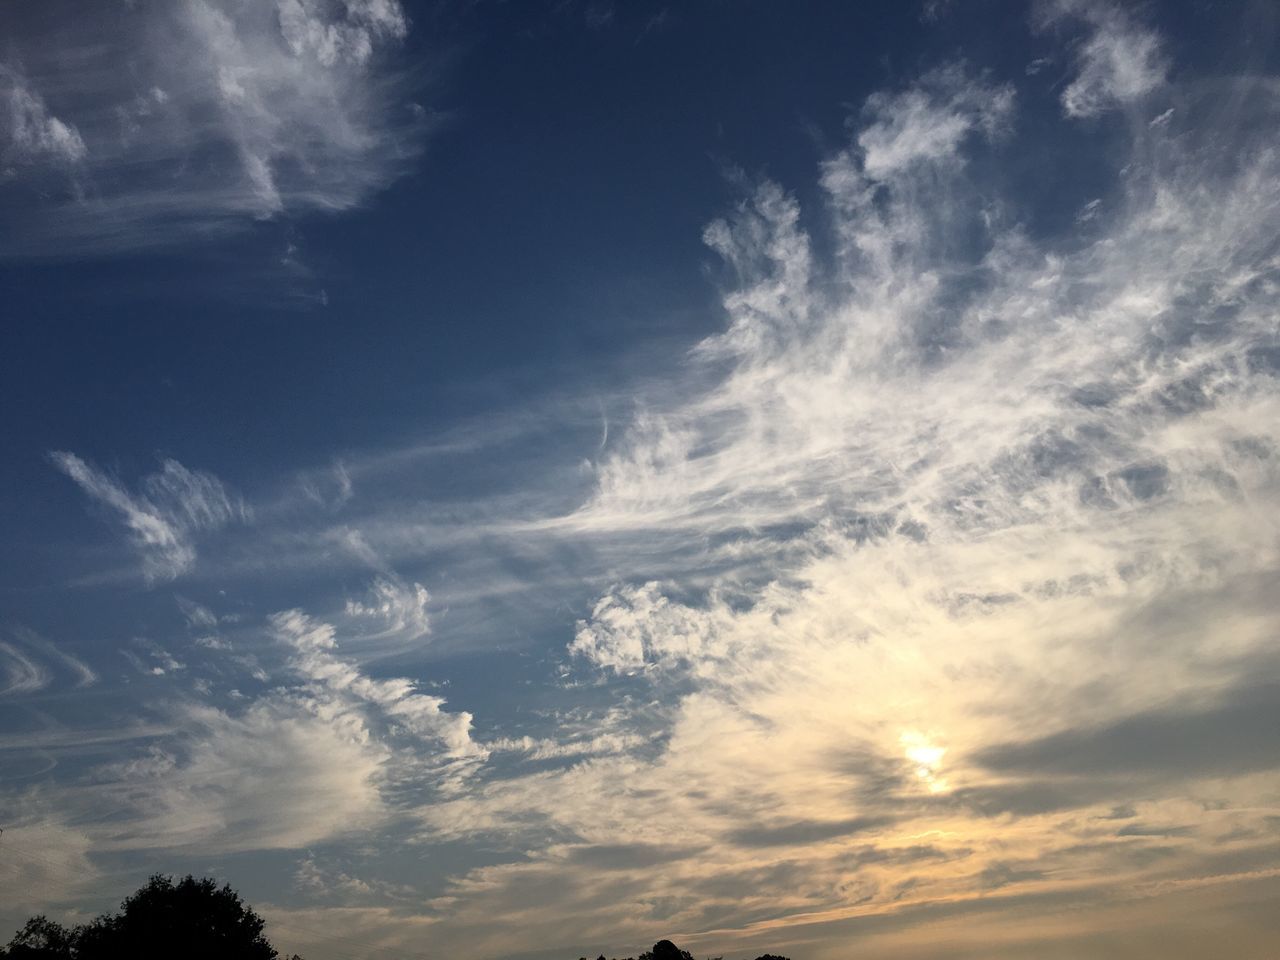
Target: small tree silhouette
666 950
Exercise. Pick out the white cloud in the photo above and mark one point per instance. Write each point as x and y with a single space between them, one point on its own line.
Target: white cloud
401 607
286 771
1121 61
291 106
632 628
197 615
162 520
22 674
311 877
928 122
45 859
397 699
162 660
28 132
310 27
303 762
83 673
547 748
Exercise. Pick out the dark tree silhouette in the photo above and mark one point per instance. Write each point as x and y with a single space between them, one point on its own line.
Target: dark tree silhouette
41 939
666 950
192 919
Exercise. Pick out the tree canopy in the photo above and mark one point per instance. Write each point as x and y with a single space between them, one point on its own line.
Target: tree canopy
193 919
666 950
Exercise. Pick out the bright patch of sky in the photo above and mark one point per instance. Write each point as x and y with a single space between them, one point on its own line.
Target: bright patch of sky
519 480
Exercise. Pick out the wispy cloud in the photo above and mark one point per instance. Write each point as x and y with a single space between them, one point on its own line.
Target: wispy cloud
84 675
928 122
282 772
163 518
229 112
319 750
422 714
1119 62
400 607
29 134
22 674
46 859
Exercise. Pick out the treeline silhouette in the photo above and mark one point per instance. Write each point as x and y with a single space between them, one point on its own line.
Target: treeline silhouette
185 920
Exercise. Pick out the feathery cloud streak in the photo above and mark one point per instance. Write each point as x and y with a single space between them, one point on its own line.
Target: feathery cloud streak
174 505
226 112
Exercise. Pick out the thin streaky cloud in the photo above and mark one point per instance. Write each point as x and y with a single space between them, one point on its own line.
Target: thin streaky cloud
84 674
162 520
22 674
229 113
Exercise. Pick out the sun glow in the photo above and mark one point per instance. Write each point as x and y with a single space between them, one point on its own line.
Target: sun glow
927 757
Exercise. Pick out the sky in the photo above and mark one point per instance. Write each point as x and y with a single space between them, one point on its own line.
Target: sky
524 480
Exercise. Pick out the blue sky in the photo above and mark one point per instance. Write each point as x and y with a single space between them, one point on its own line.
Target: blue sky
526 480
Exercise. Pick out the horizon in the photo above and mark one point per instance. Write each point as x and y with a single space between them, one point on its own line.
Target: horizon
532 480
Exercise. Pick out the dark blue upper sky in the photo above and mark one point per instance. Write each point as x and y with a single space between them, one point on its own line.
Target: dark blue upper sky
554 217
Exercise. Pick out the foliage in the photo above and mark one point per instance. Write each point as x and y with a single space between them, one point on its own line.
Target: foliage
41 939
666 950
193 919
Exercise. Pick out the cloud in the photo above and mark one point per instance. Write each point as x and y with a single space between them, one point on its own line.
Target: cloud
83 673
284 772
321 750
804 832
331 488
229 113
311 877
928 122
632 628
22 674
297 765
46 859
29 134
1120 62
313 642
197 615
400 606
173 505
1228 738
549 748
948 480
622 856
